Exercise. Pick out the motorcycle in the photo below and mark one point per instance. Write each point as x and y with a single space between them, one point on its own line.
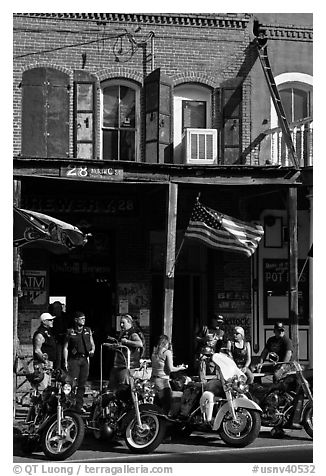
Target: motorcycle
128 411
284 395
51 424
220 404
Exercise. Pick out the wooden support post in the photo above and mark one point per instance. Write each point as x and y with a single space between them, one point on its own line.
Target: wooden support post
293 269
170 257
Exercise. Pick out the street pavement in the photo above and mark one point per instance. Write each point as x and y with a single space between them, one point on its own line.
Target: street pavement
200 447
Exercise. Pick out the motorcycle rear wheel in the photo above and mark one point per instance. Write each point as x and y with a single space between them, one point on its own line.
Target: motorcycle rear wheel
243 432
57 447
147 439
307 420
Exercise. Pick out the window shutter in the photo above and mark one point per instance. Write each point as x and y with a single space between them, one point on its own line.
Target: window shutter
57 114
34 113
158 112
84 115
45 113
231 105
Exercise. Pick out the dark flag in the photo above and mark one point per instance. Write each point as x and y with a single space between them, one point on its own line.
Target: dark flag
221 231
32 227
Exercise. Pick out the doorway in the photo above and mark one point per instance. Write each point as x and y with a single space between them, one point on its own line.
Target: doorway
86 278
188 312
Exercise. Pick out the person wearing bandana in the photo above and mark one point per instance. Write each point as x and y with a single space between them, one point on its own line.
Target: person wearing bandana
78 348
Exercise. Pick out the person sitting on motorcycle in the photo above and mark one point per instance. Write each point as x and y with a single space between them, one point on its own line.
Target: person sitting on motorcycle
162 366
129 337
240 351
210 340
279 344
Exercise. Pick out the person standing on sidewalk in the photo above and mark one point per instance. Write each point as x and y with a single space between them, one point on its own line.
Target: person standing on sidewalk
44 350
78 348
44 344
60 327
162 366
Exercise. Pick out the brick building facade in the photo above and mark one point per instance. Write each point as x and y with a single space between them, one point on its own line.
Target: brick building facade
95 93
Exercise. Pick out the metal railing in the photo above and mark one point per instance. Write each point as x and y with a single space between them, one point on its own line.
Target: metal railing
302 137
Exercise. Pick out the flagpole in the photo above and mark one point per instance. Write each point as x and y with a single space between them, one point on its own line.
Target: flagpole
176 258
309 255
180 247
303 267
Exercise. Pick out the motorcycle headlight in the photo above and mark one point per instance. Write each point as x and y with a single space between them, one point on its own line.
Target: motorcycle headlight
239 384
66 388
242 384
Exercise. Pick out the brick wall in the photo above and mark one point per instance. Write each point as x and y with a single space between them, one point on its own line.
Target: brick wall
188 49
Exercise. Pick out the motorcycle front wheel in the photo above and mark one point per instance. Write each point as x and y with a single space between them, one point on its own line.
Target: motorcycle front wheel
242 431
307 420
57 446
149 436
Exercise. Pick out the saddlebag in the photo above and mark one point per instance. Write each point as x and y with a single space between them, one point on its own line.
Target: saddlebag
189 398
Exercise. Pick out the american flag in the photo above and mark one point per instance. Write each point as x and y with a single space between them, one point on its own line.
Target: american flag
221 231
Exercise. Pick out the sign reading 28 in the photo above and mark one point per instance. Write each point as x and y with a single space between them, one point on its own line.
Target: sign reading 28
91 172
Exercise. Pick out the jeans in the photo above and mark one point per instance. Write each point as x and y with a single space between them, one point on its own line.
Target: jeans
78 369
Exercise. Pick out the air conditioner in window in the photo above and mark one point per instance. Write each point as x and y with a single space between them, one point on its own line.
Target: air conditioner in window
200 146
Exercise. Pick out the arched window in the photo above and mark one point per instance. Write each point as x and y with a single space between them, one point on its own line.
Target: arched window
296 94
297 101
193 109
295 90
120 120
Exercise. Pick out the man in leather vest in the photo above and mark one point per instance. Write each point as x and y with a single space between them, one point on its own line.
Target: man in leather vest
44 344
78 347
210 340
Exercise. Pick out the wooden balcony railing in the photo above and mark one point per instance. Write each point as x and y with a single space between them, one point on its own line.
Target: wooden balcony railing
302 137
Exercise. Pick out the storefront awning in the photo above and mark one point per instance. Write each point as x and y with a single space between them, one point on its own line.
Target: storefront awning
34 229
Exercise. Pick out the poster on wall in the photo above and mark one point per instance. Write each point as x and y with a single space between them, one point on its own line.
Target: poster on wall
276 291
134 295
34 288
